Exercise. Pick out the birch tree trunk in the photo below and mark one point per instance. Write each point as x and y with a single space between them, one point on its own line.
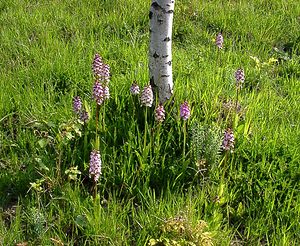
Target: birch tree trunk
160 56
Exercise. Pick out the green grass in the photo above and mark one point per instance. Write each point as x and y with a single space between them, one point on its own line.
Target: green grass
149 189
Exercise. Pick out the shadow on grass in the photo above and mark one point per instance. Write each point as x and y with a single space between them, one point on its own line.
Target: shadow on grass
13 186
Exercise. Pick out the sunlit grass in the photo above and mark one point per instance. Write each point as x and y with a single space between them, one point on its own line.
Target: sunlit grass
248 197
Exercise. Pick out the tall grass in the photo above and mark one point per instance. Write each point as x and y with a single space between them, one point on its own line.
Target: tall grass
150 190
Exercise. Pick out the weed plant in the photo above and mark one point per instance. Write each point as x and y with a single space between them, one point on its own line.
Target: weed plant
164 180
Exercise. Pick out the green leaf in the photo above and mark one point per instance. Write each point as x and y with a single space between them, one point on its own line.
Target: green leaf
81 221
43 143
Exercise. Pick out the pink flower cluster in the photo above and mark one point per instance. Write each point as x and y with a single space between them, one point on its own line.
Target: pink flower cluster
160 113
228 140
77 104
77 108
100 69
102 74
185 111
147 96
147 99
219 41
100 92
135 89
239 77
95 165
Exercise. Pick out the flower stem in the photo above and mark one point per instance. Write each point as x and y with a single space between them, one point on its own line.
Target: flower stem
85 141
95 189
219 58
103 118
146 128
97 141
184 137
97 118
236 108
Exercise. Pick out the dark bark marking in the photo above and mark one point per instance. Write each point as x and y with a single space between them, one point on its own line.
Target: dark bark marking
165 76
165 56
160 21
150 15
169 63
153 86
167 39
156 6
152 83
155 55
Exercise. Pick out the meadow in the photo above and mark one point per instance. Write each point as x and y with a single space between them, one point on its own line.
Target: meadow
167 183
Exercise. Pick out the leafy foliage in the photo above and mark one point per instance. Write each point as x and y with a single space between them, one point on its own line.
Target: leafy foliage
150 171
206 146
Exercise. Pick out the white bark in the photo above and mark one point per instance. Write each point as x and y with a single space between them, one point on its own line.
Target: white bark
160 51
